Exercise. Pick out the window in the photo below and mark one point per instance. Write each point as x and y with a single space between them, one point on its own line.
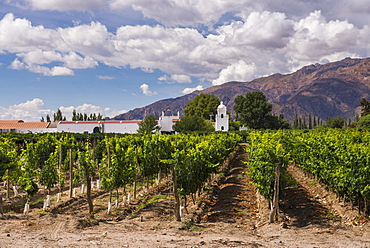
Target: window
222 115
222 128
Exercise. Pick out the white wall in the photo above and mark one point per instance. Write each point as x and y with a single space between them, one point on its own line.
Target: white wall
166 122
108 126
33 130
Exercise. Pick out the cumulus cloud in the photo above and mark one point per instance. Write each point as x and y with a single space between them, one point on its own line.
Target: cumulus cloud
184 13
46 71
194 12
105 77
181 78
315 39
258 44
90 109
34 109
65 5
145 89
176 78
190 90
28 111
239 71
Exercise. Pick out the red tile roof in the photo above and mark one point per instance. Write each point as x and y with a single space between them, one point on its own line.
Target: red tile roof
11 121
23 125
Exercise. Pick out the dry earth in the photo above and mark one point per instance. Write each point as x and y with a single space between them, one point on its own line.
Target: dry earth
229 213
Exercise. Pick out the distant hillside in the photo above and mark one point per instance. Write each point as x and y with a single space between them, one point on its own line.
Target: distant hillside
323 90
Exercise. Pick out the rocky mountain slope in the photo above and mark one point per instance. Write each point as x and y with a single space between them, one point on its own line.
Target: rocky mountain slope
326 90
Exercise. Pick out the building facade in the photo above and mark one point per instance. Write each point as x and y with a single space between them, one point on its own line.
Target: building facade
222 118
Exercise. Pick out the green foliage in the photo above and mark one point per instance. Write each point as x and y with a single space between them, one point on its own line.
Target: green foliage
266 151
195 158
84 117
48 175
148 125
335 122
202 105
193 123
58 116
28 185
364 123
8 156
234 125
254 112
337 158
365 107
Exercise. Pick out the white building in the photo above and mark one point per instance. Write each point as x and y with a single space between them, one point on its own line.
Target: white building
98 126
222 118
166 122
19 126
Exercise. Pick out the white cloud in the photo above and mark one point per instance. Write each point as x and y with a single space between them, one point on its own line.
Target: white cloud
181 79
90 109
105 77
239 71
35 109
28 111
190 90
65 5
145 89
176 78
267 42
184 13
315 39
46 71
164 78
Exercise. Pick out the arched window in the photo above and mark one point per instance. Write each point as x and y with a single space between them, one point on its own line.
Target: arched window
222 115
222 128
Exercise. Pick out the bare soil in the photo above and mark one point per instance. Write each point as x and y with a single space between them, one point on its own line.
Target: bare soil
229 213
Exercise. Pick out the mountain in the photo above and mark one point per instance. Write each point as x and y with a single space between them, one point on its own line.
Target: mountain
324 90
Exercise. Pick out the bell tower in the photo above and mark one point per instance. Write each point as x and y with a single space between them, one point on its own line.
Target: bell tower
222 119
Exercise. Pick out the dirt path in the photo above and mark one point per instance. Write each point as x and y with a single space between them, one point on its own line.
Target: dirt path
231 218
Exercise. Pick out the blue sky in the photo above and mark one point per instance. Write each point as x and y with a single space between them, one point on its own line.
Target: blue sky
111 56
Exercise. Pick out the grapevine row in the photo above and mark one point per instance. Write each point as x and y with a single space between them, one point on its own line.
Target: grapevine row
117 161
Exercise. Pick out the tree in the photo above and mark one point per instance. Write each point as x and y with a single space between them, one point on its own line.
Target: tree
148 125
193 123
202 105
335 122
252 109
58 116
364 123
365 107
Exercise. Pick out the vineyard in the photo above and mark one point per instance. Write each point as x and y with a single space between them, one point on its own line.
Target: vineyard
112 180
340 159
112 164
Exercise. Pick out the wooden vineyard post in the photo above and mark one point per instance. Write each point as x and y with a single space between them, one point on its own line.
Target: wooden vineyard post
275 202
136 172
88 187
177 198
1 206
60 159
7 185
60 168
70 174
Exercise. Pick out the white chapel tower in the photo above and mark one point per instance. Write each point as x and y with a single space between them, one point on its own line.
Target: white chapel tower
222 119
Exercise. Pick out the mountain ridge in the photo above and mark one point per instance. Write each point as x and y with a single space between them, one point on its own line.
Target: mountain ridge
324 90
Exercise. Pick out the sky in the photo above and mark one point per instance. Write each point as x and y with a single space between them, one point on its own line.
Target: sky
111 56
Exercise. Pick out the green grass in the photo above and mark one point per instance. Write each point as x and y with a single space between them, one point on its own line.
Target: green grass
313 183
190 226
331 215
41 211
